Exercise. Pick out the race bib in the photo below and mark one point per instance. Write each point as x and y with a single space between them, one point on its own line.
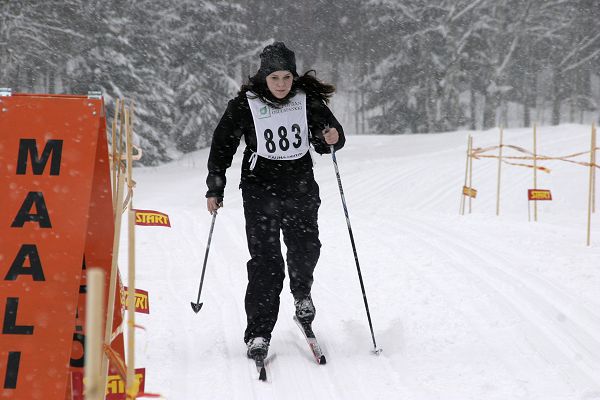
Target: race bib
281 133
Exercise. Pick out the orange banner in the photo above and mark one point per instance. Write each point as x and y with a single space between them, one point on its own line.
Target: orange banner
98 253
469 192
48 148
151 218
142 301
539 194
55 152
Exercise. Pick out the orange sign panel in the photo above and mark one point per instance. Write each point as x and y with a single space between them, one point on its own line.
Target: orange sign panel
49 164
469 192
98 254
151 218
539 194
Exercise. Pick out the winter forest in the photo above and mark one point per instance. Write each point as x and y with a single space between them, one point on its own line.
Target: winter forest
410 66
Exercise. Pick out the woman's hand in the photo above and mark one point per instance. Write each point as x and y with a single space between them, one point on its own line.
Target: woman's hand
213 204
331 135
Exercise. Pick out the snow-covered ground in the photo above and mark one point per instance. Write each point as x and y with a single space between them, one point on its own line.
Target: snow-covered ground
465 307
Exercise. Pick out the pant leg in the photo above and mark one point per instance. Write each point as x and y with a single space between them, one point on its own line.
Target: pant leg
262 210
301 234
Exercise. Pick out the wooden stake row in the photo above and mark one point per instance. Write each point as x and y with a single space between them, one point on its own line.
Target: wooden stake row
121 161
468 189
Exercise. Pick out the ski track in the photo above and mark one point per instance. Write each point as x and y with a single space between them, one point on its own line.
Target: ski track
458 316
546 327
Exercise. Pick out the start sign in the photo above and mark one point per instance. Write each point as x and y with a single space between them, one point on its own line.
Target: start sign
55 215
539 194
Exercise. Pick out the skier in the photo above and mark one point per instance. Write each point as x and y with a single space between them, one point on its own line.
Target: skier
279 114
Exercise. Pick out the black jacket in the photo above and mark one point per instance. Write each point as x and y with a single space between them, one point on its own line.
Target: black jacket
237 122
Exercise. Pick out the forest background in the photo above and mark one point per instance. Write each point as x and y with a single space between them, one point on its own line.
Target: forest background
410 66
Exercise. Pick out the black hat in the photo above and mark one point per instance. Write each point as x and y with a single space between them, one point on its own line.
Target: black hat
277 57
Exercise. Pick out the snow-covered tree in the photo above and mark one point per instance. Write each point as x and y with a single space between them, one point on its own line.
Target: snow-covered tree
210 46
412 65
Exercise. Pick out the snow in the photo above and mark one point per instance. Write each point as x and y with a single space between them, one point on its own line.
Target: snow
465 307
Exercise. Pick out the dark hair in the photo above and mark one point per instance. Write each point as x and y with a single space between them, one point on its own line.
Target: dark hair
308 83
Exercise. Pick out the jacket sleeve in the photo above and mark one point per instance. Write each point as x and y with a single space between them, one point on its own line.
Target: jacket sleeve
320 117
225 141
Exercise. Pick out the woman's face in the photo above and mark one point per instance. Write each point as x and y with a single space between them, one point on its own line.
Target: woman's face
280 83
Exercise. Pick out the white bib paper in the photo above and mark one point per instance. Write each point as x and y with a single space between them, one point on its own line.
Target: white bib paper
281 133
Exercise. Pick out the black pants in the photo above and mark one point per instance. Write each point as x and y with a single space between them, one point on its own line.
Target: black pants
291 208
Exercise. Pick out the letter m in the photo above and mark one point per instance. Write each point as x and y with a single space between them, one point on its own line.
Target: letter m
28 149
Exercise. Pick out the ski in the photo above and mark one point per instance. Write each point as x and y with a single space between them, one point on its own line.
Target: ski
309 335
260 368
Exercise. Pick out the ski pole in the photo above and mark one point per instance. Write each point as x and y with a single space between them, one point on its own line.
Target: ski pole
362 286
197 305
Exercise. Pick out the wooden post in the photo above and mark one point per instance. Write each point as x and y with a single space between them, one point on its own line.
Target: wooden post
461 209
114 160
591 185
94 318
470 169
119 191
499 171
535 213
131 383
595 146
132 386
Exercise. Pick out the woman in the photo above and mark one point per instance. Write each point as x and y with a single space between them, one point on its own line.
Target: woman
279 114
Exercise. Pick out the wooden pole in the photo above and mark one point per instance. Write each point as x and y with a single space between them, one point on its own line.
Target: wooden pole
590 195
122 128
595 145
499 171
94 318
114 161
113 269
131 386
535 210
470 169
461 209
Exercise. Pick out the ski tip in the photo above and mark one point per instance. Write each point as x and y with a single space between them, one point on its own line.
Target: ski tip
263 374
322 360
196 307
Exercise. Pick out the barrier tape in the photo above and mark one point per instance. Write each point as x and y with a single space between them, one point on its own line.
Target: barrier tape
134 157
538 167
117 361
478 154
130 186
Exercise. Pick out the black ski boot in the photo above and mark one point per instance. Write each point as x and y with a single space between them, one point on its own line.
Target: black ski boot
258 347
305 310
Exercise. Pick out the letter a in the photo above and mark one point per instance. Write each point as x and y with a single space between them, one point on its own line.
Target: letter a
18 268
24 215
